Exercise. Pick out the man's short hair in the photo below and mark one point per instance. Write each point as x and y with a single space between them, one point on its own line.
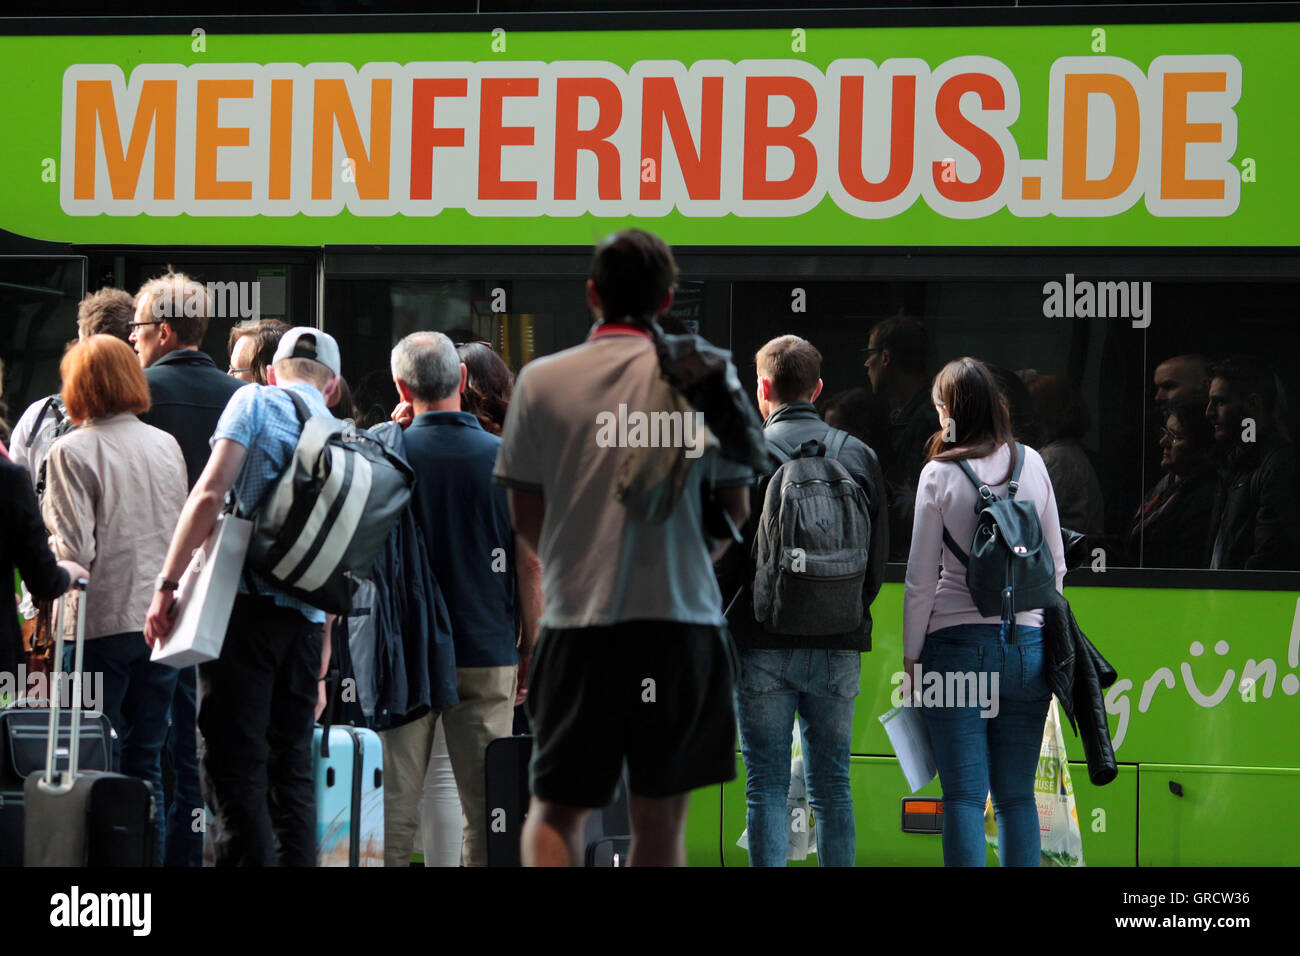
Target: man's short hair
632 271
106 312
182 302
907 341
792 365
429 365
1247 375
305 370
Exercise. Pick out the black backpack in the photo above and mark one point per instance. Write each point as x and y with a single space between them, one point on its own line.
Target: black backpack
813 543
1009 567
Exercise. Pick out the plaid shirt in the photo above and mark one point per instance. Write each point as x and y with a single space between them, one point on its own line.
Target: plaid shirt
262 419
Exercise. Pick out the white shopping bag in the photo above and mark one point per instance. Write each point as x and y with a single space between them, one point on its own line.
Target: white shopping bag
206 596
802 826
1058 816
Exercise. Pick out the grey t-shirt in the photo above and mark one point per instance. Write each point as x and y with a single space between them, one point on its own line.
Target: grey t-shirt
600 564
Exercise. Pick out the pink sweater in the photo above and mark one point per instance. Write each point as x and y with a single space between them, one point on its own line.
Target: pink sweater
937 597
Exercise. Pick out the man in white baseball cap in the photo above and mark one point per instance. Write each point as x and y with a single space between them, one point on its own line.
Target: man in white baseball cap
259 700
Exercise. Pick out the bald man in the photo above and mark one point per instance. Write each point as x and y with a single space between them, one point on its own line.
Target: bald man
1182 378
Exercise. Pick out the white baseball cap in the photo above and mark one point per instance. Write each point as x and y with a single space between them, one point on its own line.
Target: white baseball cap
305 342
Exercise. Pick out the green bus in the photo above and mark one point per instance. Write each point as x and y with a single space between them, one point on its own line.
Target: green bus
1077 192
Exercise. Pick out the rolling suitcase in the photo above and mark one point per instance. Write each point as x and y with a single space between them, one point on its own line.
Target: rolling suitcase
505 765
24 730
73 818
606 834
348 766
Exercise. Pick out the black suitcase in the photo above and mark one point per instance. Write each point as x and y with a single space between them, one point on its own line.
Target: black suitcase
506 797
24 732
506 767
93 818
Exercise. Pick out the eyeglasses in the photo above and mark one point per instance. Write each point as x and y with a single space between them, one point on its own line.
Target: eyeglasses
136 325
870 352
237 371
1166 434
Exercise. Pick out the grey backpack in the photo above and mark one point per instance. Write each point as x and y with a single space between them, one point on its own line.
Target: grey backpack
813 543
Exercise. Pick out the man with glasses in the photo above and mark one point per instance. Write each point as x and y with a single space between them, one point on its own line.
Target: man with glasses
188 394
252 347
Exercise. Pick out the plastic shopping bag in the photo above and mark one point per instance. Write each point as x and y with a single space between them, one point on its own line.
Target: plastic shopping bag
802 826
1058 816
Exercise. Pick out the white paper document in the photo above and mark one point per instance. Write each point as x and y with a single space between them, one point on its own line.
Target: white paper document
911 743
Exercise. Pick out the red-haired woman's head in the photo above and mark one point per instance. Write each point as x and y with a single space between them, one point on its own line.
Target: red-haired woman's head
102 376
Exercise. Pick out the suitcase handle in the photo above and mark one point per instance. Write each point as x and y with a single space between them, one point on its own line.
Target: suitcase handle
73 600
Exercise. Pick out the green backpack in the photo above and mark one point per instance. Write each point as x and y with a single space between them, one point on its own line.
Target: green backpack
1009 567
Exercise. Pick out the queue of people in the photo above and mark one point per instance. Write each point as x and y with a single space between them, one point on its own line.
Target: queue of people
645 642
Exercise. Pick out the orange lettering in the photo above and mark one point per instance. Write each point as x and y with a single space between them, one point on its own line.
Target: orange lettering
333 106
156 111
208 136
1177 133
702 168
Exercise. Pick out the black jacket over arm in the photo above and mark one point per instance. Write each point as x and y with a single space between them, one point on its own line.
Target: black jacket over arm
1078 675
23 545
793 424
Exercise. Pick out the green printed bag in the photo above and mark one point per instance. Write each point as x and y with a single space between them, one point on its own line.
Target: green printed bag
1058 816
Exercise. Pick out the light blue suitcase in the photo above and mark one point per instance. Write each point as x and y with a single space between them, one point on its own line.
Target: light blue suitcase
348 766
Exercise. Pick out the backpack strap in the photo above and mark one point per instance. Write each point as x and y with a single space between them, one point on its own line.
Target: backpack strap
55 402
781 452
1014 486
986 496
954 547
300 406
834 441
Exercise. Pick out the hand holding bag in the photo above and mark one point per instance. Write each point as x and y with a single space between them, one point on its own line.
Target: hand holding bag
206 596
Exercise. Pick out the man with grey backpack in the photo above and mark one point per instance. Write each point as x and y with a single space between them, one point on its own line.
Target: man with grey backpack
801 614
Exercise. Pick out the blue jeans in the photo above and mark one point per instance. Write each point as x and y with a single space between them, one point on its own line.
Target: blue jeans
977 754
137 698
820 685
184 840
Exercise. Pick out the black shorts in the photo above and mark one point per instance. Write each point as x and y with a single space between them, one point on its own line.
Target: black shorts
656 693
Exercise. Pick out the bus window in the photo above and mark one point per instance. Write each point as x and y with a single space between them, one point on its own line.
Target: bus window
38 317
1095 364
1219 387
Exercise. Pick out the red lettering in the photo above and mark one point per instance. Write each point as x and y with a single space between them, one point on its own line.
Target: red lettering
947 109
701 169
425 137
569 139
902 138
493 136
759 137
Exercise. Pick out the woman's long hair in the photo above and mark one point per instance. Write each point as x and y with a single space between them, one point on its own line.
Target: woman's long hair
488 387
971 397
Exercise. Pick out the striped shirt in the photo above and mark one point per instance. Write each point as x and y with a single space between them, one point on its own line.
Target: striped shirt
262 419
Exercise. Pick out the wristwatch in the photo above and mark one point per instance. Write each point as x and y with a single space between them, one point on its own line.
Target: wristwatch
163 584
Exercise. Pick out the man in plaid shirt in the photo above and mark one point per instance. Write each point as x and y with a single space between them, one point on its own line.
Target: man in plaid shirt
259 700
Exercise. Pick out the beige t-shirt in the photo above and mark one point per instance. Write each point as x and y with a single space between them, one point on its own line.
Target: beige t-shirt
600 564
114 492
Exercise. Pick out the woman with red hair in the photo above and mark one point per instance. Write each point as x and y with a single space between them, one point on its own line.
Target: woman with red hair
114 491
